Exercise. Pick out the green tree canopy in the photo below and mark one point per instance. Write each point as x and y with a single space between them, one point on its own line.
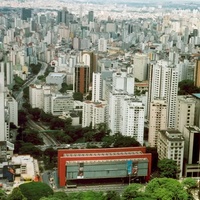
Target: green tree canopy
166 189
22 119
3 195
26 92
125 141
132 191
187 87
78 96
35 190
16 195
189 184
167 168
111 195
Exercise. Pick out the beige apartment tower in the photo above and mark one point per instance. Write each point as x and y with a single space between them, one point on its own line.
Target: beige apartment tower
157 120
185 111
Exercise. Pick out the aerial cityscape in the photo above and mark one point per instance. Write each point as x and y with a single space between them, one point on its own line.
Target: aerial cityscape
99 100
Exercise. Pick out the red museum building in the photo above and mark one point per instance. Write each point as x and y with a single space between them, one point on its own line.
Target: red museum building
79 165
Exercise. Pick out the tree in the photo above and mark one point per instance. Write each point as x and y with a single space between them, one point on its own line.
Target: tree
167 168
22 119
60 195
26 105
35 190
78 96
30 136
132 191
187 87
189 184
57 123
51 155
16 195
35 112
3 195
26 93
45 117
166 188
112 195
29 148
125 141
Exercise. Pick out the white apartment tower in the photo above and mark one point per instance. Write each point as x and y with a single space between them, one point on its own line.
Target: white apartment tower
2 108
140 66
13 110
163 84
157 120
132 120
102 45
93 113
36 96
185 111
96 87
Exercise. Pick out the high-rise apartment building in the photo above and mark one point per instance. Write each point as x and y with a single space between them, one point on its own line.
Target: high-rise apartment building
171 146
36 96
94 113
163 84
13 110
185 111
96 87
132 118
90 58
157 120
140 66
102 45
197 73
2 108
81 78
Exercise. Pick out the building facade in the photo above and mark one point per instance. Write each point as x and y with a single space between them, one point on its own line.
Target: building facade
163 84
185 111
171 146
81 166
157 120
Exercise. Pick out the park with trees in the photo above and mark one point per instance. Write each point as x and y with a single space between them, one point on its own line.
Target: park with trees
156 189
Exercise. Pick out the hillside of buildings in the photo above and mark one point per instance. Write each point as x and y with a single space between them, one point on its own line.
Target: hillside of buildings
100 94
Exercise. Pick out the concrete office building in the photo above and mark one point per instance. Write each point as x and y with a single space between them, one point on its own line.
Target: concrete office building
61 103
185 111
171 146
197 109
157 120
56 78
191 151
163 84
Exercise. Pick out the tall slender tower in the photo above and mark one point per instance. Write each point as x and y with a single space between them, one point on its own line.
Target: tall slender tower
2 108
163 84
